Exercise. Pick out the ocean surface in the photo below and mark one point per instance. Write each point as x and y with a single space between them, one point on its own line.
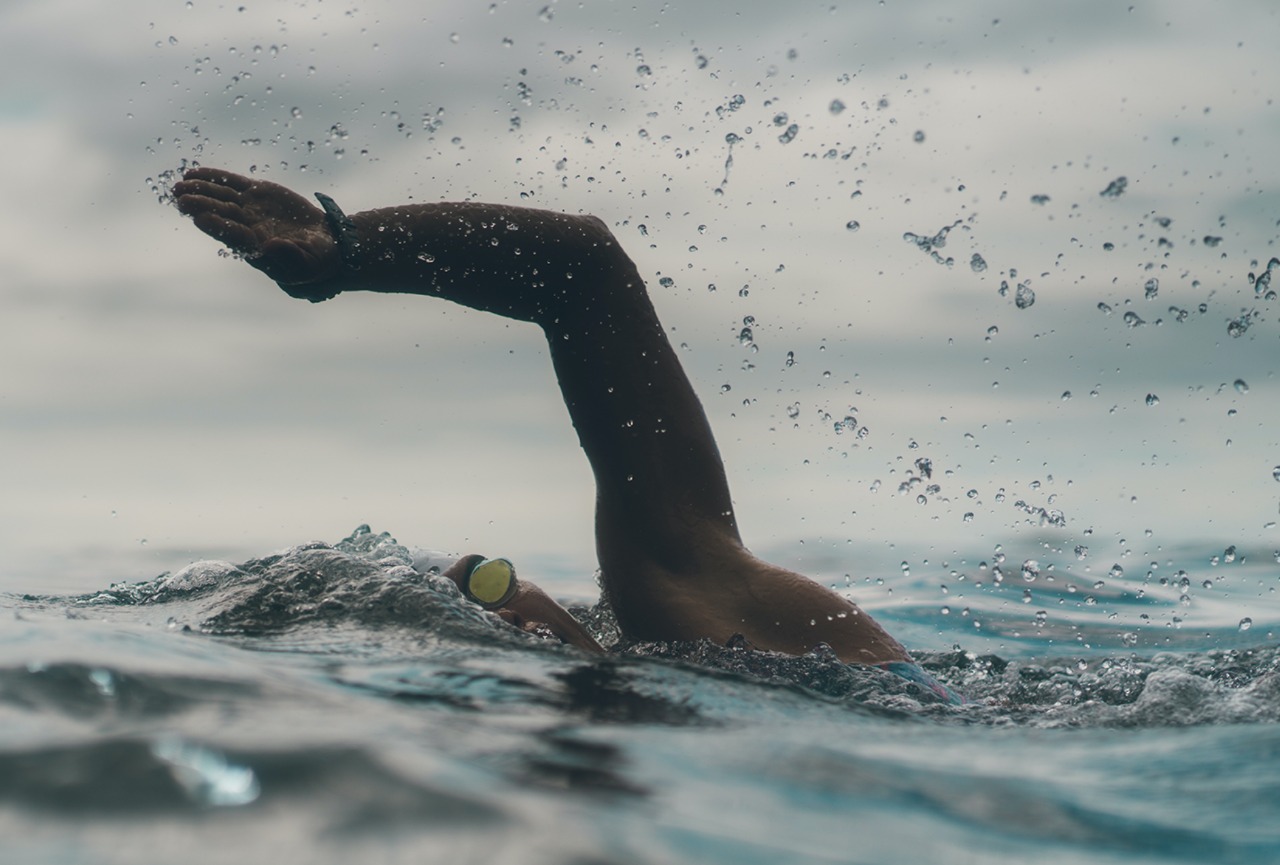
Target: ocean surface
980 299
341 702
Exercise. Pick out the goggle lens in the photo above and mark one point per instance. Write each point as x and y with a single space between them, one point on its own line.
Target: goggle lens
491 583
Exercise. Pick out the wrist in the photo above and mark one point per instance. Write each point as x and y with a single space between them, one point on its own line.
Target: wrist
345 233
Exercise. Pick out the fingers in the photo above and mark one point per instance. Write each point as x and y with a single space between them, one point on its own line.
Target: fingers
217 176
233 234
204 189
191 203
531 604
222 220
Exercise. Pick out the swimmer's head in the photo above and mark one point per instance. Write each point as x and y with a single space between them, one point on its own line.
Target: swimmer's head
490 582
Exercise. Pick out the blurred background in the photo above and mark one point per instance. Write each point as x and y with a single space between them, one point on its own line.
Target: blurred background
956 286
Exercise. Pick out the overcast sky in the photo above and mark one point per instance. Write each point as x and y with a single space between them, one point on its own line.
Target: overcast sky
162 404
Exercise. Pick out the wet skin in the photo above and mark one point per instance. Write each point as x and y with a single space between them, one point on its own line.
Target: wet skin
672 561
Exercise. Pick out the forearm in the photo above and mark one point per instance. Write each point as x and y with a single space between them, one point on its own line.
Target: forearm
532 265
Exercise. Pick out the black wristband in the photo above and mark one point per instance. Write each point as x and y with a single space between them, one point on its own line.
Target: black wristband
344 232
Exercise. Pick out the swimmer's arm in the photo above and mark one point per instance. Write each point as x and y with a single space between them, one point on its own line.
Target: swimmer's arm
530 608
658 472
517 262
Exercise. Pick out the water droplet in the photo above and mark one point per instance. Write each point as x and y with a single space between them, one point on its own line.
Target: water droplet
1116 572
1275 473
1024 297
1246 623
1152 288
724 388
1030 570
1132 319
1152 399
1262 282
1241 386
918 138
1040 199
853 225
977 264
792 131
1115 188
836 106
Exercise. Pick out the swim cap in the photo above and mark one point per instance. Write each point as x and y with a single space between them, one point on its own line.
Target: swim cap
491 583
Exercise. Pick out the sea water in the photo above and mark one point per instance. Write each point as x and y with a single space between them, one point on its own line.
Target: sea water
337 703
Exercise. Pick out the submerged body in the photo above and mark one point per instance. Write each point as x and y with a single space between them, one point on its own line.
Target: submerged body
673 564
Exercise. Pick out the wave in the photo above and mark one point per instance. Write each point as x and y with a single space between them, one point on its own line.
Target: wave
368 589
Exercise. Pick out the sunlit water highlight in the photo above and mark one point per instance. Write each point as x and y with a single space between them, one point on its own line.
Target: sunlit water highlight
338 702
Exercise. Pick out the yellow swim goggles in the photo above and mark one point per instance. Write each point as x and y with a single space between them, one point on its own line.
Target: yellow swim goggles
490 583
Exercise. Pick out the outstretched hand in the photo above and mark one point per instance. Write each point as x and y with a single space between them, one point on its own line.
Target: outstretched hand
273 228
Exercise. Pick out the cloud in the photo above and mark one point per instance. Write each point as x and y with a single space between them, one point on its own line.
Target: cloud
145 356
